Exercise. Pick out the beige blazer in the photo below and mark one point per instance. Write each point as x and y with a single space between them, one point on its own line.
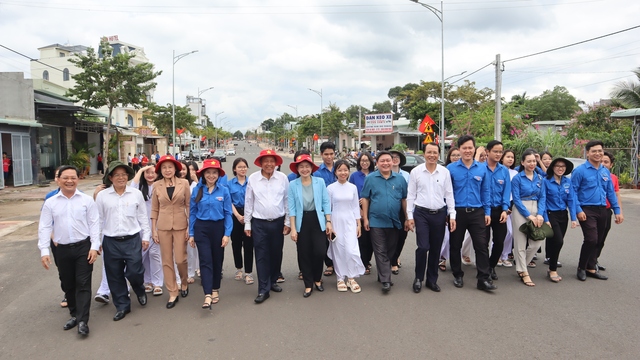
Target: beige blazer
171 214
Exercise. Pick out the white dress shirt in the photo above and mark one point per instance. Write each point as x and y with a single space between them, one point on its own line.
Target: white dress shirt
70 219
430 190
123 215
266 199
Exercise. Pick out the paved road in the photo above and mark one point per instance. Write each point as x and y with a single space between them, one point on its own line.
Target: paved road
590 320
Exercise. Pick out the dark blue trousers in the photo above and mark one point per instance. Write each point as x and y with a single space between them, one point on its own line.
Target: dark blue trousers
122 262
268 241
430 229
208 236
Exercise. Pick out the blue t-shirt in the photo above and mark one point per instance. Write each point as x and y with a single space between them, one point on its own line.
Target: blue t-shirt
385 199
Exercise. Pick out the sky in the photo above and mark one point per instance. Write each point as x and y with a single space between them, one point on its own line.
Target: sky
262 57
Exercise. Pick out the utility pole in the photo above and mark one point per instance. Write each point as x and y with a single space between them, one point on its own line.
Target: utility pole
359 128
497 131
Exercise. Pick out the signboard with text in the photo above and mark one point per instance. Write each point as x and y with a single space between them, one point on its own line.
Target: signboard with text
378 123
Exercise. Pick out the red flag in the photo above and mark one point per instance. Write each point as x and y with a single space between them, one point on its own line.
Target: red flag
426 124
180 131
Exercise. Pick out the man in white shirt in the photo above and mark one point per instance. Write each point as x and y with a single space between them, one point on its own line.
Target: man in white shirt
73 219
265 210
125 223
429 200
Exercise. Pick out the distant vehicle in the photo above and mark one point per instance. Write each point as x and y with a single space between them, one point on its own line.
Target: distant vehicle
184 155
220 155
576 162
204 154
235 144
412 161
231 152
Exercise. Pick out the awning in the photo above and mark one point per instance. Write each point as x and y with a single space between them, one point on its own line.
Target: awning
30 123
629 113
154 137
126 132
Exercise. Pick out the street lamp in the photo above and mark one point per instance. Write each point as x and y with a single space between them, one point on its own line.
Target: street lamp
215 124
173 94
440 15
296 108
319 94
200 92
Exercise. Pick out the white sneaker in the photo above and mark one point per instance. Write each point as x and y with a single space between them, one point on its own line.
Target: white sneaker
103 299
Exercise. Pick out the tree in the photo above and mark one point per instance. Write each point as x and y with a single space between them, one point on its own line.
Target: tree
628 93
111 80
334 122
162 117
383 108
238 134
556 104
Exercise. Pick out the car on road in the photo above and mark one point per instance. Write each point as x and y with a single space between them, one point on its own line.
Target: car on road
231 152
220 155
413 160
576 162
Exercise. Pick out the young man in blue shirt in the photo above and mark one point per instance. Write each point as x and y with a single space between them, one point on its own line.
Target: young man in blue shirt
328 152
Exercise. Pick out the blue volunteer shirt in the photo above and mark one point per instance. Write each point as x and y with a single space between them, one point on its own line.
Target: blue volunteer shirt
385 199
292 176
325 174
215 206
592 186
500 186
560 197
237 192
471 185
524 189
357 179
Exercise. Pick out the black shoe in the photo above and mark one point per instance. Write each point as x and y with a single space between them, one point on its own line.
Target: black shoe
596 275
492 273
261 298
307 294
184 293
417 285
142 299
276 288
582 274
83 328
319 287
386 287
120 314
171 304
486 285
457 282
598 267
433 287
395 272
70 324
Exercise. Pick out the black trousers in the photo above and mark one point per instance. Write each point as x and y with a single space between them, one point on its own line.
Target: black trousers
75 272
239 242
607 227
499 234
208 237
268 241
122 262
593 231
54 254
472 220
311 248
366 251
383 241
430 228
402 237
559 221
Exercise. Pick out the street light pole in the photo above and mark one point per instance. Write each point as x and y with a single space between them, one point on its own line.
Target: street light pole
215 124
296 108
200 92
173 95
319 94
440 15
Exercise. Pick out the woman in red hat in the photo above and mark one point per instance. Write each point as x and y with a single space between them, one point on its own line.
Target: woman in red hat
170 224
310 213
210 226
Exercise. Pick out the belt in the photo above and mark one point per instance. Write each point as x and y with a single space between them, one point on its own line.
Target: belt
468 209
431 211
122 238
79 243
593 206
270 220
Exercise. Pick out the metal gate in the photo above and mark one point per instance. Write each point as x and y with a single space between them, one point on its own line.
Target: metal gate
21 159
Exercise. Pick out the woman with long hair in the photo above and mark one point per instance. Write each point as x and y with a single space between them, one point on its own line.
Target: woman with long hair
193 263
345 210
239 240
364 166
453 155
210 226
170 224
529 198
509 160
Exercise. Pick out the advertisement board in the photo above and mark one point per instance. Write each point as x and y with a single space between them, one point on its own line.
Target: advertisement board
378 123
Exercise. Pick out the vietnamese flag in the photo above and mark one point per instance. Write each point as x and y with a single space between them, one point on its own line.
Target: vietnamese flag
426 124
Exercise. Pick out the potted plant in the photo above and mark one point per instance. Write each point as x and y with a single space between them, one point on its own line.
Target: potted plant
625 181
81 157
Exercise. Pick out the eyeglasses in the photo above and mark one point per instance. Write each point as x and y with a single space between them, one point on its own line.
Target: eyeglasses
120 175
560 166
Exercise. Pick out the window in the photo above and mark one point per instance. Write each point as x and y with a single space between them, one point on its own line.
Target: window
45 75
130 120
65 74
144 121
61 54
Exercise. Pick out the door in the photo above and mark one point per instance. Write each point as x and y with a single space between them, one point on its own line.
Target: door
2 179
21 153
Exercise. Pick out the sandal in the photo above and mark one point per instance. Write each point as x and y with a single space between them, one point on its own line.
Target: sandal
342 286
191 280
443 265
466 260
532 264
507 263
148 288
329 271
207 304
353 285
396 271
64 303
300 276
198 272
238 275
526 279
555 278
215 299
367 271
280 279
248 279
157 291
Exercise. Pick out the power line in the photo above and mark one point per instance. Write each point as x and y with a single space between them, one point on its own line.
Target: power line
28 57
574 44
462 78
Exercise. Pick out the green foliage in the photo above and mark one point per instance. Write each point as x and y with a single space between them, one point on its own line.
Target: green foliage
162 117
480 122
81 155
556 104
624 178
400 147
598 124
552 141
628 93
238 134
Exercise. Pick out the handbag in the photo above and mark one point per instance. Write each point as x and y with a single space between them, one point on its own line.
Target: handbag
536 233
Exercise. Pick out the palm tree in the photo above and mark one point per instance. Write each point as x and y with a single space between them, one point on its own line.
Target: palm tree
628 92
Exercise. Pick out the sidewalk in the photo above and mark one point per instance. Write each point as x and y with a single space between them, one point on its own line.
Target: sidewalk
37 193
